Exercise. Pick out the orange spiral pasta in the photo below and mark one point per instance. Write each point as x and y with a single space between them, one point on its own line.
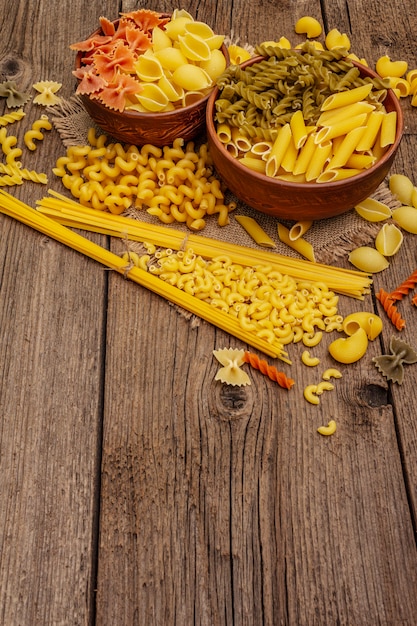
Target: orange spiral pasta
269 370
414 300
407 285
390 309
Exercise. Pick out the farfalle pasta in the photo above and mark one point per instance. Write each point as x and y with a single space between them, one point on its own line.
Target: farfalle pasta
392 365
149 61
14 97
231 372
47 90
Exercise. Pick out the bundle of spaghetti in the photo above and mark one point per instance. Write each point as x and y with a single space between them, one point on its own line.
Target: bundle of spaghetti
405 287
390 309
268 370
24 213
349 282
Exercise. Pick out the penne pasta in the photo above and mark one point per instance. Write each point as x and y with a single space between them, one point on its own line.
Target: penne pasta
343 98
255 231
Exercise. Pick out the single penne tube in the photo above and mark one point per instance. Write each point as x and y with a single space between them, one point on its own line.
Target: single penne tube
261 148
278 150
242 143
322 154
255 231
224 132
346 148
342 98
373 125
335 115
298 129
340 128
300 245
232 149
258 165
290 157
304 156
388 129
299 229
340 174
360 161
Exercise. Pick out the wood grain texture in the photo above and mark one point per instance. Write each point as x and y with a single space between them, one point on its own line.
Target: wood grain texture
137 490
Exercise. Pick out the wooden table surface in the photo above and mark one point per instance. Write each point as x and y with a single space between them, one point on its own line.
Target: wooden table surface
137 490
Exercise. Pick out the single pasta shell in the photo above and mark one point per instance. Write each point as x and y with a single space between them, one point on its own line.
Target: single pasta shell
349 349
152 98
148 68
201 29
171 58
160 39
368 259
373 210
406 217
194 47
401 187
389 239
215 65
371 323
176 27
191 77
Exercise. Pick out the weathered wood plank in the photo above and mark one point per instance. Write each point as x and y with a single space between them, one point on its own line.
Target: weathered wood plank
52 325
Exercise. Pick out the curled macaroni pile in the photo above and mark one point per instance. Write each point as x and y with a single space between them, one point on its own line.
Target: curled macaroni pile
270 304
175 183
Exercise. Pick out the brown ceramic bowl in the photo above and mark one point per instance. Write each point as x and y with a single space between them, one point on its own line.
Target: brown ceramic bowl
299 201
137 128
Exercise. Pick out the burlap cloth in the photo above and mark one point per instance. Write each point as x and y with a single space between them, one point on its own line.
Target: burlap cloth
332 239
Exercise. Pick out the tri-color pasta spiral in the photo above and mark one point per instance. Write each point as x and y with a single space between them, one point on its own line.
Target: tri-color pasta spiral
268 370
390 309
405 287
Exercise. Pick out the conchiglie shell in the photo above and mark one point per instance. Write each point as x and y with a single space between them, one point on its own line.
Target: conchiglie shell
401 187
406 217
349 349
368 259
201 29
191 97
152 98
173 92
215 65
176 27
371 323
171 58
237 54
160 39
191 77
389 239
194 47
148 68
373 210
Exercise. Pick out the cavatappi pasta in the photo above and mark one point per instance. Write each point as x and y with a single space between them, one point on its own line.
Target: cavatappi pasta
316 117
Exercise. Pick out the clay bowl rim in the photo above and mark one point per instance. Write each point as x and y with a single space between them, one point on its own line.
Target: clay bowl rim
290 185
139 115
